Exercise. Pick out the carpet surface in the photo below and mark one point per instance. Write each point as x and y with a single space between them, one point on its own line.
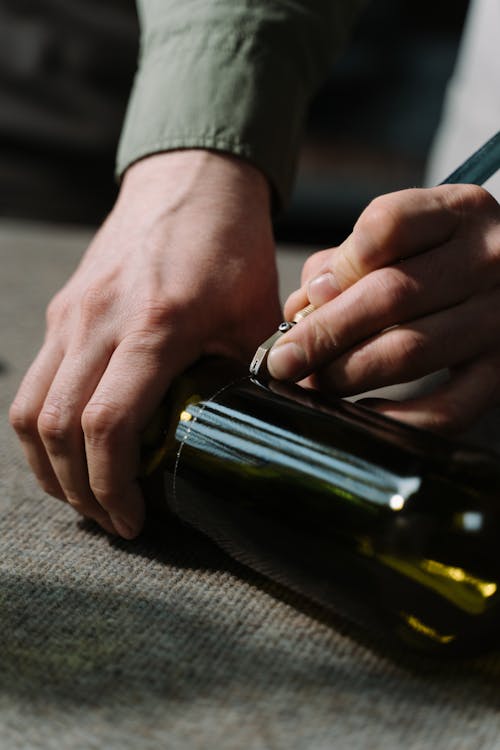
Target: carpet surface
165 642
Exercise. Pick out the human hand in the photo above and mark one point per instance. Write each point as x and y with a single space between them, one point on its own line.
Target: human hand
183 267
414 288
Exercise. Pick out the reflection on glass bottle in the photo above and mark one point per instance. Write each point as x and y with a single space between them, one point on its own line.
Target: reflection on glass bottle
389 525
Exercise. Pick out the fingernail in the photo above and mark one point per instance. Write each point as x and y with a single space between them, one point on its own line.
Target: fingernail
122 527
286 361
322 289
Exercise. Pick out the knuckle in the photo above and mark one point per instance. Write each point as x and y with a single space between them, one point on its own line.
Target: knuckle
382 225
144 346
156 315
381 217
149 329
467 199
373 215
102 422
57 310
406 352
54 425
395 288
95 303
447 418
365 361
23 418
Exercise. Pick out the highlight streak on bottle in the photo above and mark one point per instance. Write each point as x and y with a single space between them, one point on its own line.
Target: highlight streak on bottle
346 475
466 591
422 629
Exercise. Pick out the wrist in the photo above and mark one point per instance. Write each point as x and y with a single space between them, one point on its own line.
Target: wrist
196 177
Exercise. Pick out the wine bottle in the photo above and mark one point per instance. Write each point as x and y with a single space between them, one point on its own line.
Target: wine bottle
390 526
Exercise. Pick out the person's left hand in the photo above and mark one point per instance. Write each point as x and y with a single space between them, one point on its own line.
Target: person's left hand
414 288
183 268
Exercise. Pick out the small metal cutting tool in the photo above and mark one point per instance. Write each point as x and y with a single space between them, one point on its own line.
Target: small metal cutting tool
258 365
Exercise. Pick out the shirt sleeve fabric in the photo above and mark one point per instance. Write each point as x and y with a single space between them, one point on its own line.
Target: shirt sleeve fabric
231 75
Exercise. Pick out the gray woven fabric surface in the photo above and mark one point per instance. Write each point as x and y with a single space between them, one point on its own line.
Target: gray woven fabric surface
168 644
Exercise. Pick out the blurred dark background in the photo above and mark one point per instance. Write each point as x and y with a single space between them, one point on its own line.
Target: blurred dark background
66 67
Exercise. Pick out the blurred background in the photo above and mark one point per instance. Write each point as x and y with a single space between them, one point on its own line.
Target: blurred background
66 67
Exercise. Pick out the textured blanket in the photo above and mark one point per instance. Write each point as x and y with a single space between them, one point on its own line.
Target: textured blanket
166 643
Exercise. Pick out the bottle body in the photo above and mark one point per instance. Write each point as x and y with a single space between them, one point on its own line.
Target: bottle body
385 524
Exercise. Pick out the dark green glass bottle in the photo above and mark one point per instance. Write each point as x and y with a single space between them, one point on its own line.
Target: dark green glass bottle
390 526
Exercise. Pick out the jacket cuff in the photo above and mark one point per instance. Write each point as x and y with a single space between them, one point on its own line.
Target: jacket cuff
243 91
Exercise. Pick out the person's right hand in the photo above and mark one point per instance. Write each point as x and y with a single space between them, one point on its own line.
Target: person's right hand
414 289
183 267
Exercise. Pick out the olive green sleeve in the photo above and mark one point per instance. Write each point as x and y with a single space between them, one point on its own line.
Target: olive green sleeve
231 75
